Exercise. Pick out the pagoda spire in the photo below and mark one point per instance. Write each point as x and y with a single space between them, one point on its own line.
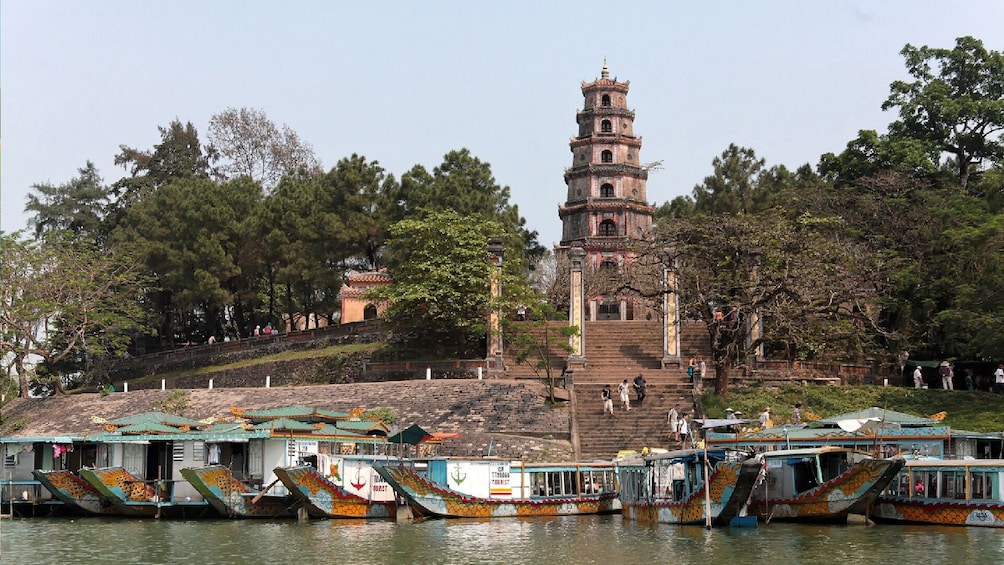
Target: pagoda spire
605 72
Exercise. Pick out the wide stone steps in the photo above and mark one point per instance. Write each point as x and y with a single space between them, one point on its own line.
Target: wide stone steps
645 425
614 351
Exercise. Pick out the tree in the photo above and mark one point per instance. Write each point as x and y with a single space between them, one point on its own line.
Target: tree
733 187
956 102
439 301
77 206
808 286
178 155
308 244
871 153
365 197
203 242
537 342
63 299
465 184
250 144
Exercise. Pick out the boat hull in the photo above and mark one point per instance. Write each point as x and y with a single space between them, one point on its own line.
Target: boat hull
429 499
77 494
232 498
132 497
913 511
731 485
324 499
853 491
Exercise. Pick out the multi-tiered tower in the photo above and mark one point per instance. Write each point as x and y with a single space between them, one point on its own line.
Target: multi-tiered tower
606 209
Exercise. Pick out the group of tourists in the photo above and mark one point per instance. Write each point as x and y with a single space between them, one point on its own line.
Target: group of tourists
947 373
623 390
678 425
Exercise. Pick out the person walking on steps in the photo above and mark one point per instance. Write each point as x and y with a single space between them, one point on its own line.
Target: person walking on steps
608 400
625 397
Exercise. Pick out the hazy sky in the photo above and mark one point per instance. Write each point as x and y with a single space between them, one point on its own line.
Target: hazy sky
404 82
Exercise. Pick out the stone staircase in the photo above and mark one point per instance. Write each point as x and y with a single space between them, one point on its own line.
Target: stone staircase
618 350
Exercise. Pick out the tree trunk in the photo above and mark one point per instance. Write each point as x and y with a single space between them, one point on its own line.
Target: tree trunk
22 378
722 375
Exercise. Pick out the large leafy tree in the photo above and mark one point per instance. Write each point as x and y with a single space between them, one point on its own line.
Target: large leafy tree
465 184
202 240
179 154
733 186
440 298
308 244
365 197
809 287
250 144
955 102
65 303
870 154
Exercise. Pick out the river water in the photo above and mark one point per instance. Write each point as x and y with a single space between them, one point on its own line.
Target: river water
606 540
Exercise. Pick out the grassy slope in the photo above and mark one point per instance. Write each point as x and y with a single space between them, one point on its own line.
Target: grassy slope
969 411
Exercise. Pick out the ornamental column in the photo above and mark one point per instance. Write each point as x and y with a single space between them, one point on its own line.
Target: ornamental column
670 318
576 306
495 252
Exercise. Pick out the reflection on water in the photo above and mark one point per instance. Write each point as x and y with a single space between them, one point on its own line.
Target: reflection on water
606 540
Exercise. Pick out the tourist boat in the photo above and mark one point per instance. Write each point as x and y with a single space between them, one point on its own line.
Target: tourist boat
821 484
132 496
235 499
950 492
689 486
491 488
349 489
75 493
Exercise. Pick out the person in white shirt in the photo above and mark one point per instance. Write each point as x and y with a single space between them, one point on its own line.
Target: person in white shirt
999 378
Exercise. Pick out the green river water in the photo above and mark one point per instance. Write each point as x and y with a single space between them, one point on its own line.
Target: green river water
607 540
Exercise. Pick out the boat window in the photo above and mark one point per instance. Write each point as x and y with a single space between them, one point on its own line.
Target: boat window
924 484
256 458
982 485
804 474
832 465
953 484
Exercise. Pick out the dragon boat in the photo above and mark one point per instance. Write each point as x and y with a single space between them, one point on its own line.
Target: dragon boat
947 492
819 484
235 499
488 488
350 489
689 486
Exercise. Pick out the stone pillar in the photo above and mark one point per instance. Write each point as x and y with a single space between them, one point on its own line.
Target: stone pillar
495 251
755 331
670 318
576 306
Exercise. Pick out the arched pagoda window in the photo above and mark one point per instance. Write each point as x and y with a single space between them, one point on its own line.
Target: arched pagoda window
608 227
607 190
606 126
605 101
607 156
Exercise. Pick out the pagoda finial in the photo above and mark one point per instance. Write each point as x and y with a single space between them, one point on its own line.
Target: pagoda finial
605 73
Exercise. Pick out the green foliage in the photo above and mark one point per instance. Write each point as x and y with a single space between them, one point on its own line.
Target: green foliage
62 302
384 414
733 187
77 206
440 296
537 342
176 403
795 274
970 411
955 102
465 184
